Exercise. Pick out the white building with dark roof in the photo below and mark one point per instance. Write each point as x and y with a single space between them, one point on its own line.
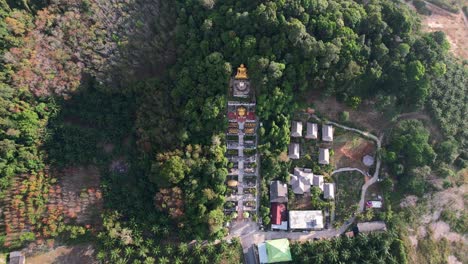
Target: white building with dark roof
329 191
327 133
296 129
312 131
324 156
293 152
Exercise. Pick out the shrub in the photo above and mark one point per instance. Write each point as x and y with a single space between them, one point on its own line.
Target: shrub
344 116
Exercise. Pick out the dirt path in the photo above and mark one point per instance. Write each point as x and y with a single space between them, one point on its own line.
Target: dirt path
435 132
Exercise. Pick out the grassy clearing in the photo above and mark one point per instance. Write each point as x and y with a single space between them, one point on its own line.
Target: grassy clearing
348 193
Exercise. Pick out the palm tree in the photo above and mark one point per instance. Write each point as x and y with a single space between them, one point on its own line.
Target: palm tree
357 252
183 248
128 251
333 256
156 230
149 260
156 250
178 260
204 259
223 246
101 255
169 250
163 260
115 254
210 248
143 252
345 254
372 253
217 258
165 231
197 249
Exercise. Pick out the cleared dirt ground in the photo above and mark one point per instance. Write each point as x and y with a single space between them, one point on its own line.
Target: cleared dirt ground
349 150
80 254
455 26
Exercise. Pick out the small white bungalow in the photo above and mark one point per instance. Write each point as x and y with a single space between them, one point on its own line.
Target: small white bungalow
296 129
324 156
329 191
293 151
327 133
312 131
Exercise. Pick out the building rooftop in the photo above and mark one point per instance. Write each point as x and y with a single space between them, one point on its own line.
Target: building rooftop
278 192
312 131
324 156
273 251
318 181
293 151
296 129
306 220
327 133
329 191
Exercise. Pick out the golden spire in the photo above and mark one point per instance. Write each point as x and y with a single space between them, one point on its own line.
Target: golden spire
241 72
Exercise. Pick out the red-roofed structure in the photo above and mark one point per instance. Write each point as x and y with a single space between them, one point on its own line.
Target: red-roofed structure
277 210
251 116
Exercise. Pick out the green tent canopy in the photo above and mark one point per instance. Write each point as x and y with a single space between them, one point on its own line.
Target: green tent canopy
278 250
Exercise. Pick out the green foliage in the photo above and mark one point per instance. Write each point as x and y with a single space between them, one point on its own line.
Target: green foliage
410 140
170 171
458 220
421 7
447 102
27 237
353 102
344 116
373 248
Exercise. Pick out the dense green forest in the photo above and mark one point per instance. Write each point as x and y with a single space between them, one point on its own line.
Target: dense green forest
373 248
78 74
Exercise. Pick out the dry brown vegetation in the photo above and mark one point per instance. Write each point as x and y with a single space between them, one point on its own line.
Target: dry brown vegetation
455 26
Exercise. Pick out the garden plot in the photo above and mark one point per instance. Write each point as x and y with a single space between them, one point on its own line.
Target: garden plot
348 193
70 255
349 149
79 195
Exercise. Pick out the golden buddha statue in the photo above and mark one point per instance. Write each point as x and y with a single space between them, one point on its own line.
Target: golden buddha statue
241 72
241 111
